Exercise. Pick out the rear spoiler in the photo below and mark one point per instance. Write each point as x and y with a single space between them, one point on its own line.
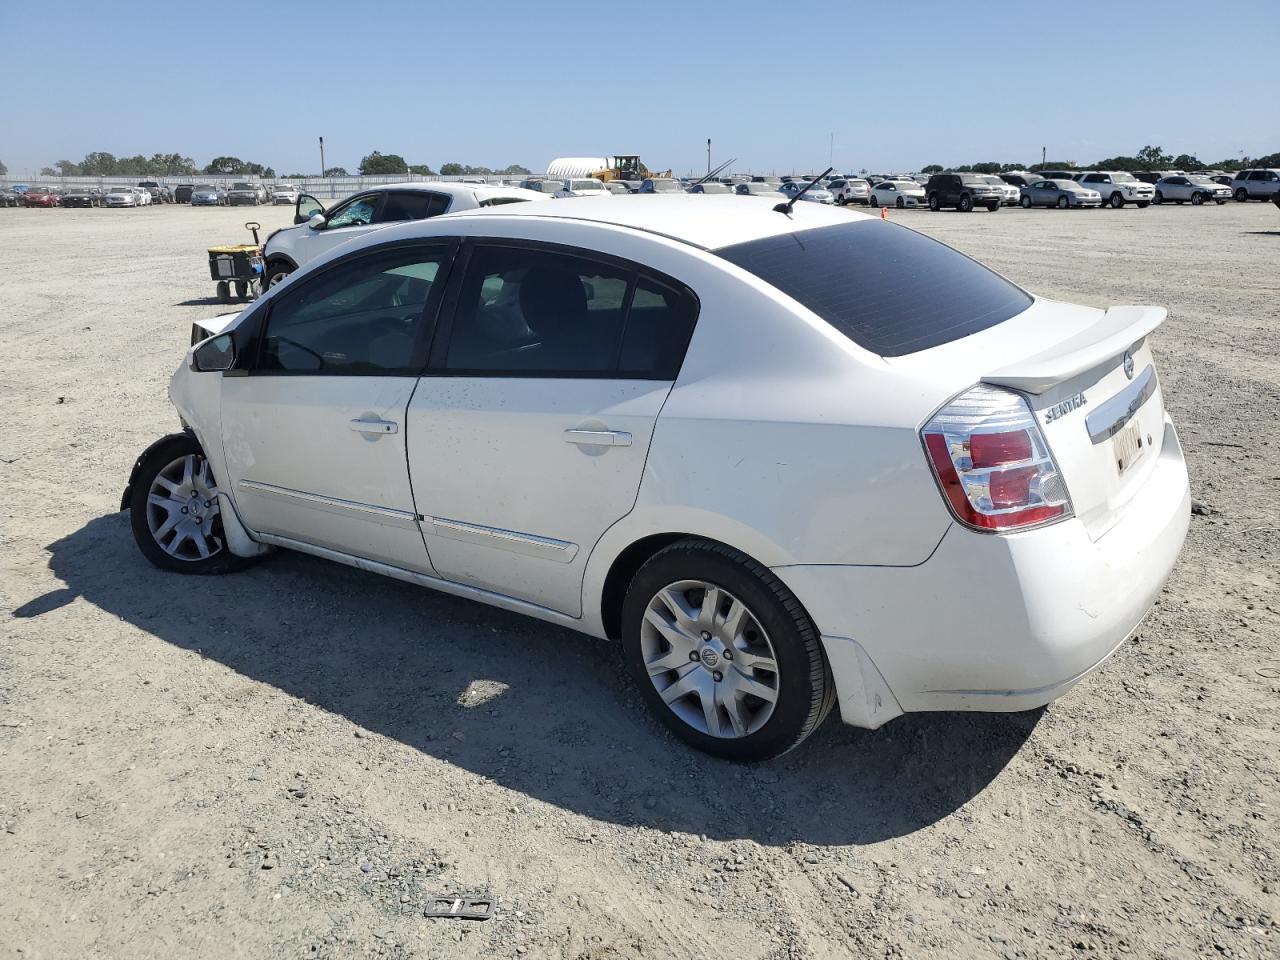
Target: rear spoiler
1118 330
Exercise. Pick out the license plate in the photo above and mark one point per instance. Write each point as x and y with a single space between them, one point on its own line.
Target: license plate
1127 447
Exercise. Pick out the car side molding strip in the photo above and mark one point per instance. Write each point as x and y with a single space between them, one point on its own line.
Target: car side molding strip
546 548
334 503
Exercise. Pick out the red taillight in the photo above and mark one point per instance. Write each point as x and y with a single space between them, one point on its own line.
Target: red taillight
992 462
995 449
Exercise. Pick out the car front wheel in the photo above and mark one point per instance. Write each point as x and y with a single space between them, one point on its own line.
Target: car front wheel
723 652
275 273
174 510
1116 201
1063 203
1197 199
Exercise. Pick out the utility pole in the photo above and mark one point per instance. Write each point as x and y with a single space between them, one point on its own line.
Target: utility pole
322 156
831 153
1043 152
708 155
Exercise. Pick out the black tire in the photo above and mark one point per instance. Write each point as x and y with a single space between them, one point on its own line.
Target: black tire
1197 199
242 289
274 273
1158 198
1219 201
224 291
1143 204
1116 201
993 207
155 460
1025 202
806 690
934 203
901 203
1063 203
966 203
1242 195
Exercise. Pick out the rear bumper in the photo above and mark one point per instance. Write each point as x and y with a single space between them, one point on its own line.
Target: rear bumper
996 623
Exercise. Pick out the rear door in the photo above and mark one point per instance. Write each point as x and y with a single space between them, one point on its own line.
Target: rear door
314 429
529 433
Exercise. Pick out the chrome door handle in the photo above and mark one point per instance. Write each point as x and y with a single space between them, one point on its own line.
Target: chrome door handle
598 438
378 427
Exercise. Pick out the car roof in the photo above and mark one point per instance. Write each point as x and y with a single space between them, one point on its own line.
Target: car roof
481 191
706 222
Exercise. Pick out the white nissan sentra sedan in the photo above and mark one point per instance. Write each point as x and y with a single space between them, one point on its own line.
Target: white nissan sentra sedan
787 459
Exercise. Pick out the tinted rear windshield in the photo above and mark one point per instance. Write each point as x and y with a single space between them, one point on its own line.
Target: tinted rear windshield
888 289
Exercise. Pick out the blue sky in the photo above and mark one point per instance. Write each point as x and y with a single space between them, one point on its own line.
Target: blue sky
495 82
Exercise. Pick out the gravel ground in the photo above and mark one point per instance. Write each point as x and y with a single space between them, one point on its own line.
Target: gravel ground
289 761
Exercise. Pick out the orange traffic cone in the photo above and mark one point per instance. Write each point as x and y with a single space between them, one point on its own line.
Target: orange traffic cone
884 213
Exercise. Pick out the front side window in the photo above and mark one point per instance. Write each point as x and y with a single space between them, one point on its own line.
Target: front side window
537 312
371 314
355 213
888 289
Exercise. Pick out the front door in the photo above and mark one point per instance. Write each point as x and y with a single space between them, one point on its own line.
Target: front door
314 434
528 436
352 218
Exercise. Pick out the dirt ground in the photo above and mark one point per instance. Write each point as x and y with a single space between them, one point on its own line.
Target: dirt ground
288 762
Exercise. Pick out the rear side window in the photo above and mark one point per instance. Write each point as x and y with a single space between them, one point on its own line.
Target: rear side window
888 289
412 206
525 311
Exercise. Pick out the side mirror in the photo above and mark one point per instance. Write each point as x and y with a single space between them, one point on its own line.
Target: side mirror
317 221
213 355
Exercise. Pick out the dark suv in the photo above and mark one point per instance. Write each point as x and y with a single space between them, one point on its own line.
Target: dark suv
964 191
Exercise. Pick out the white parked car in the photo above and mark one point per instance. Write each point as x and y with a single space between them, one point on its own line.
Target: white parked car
316 230
583 187
815 194
848 190
285 193
1012 194
787 460
1191 186
119 196
1116 187
897 193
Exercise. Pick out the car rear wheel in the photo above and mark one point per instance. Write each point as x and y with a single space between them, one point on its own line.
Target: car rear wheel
174 512
1197 199
723 653
966 203
1143 204
1063 203
993 207
1024 202
934 204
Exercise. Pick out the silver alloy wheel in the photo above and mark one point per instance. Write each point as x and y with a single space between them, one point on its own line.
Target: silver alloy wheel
182 509
709 659
276 278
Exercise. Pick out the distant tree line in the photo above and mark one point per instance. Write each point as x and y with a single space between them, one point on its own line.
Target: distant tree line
390 163
101 164
1148 158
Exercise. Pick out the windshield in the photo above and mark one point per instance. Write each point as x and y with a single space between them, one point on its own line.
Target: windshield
666 186
761 188
1198 178
205 187
1124 178
587 185
888 289
242 186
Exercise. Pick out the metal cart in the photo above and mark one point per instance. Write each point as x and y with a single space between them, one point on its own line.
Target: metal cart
238 263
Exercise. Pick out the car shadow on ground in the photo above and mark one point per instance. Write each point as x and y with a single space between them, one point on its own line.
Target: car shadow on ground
538 709
214 302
